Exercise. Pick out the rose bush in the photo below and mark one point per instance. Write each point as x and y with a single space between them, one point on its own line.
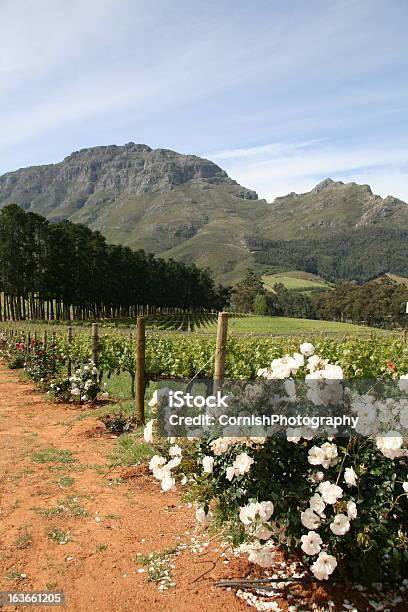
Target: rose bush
81 387
339 503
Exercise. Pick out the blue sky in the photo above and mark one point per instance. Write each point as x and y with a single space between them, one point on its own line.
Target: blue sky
279 93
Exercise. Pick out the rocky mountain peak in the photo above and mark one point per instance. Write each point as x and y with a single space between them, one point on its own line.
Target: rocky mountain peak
327 184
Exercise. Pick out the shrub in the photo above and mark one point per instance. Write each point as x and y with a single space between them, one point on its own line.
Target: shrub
83 386
341 504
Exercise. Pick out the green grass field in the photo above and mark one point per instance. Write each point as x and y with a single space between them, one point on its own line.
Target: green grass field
296 280
289 326
241 324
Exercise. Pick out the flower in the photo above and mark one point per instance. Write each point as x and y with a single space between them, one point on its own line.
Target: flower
340 525
208 464
203 517
247 513
390 444
242 463
156 461
405 486
230 473
175 451
307 349
324 566
330 492
148 432
254 511
403 382
351 510
317 504
265 510
315 456
350 477
168 483
75 392
261 555
309 519
219 446
292 435
311 543
329 454
262 533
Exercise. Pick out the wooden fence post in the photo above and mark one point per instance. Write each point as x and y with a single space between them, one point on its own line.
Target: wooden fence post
140 369
220 350
69 344
95 344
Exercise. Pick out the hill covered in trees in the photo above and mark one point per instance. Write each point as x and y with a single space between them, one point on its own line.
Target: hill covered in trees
187 208
356 254
56 270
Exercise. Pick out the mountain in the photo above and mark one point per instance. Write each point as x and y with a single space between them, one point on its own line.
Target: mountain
179 206
333 206
187 207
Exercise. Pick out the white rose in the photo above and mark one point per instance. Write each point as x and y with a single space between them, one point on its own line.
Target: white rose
403 382
293 435
350 477
329 454
202 517
148 432
219 446
405 486
330 492
174 462
317 504
265 510
208 464
247 514
262 533
309 519
324 566
230 473
261 556
307 349
175 451
351 510
76 392
290 387
168 483
341 524
315 456
156 461
242 463
390 444
311 543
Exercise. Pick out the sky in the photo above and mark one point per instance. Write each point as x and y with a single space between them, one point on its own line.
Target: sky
281 94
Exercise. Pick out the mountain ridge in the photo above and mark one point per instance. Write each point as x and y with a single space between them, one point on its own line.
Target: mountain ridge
187 207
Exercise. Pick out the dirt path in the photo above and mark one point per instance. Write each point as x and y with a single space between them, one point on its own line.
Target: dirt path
53 487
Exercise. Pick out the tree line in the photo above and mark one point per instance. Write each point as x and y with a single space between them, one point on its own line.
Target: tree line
64 270
378 303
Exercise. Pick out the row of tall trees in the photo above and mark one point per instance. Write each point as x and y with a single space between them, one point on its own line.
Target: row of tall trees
65 270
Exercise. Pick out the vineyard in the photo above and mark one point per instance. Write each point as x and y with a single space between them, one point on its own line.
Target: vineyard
251 492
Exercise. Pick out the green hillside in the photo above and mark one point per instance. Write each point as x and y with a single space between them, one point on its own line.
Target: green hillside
296 280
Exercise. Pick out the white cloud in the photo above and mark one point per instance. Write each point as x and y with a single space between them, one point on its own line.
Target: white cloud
276 169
